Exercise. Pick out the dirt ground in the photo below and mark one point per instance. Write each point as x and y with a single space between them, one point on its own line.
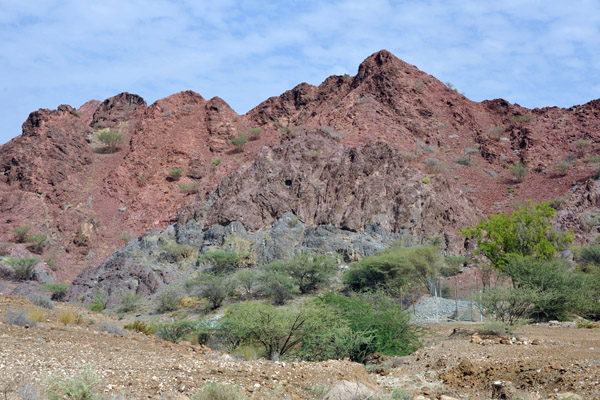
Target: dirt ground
135 366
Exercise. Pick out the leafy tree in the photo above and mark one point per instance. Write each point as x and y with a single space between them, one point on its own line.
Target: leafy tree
110 140
527 232
396 267
307 270
247 279
277 329
277 284
213 287
222 261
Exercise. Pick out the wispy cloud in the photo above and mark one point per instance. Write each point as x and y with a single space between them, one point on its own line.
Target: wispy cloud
51 52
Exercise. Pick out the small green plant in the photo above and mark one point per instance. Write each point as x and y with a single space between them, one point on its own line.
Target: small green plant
189 188
129 301
562 168
58 290
426 180
240 141
168 300
496 328
142 327
419 87
215 391
37 243
21 233
433 165
99 303
518 170
4 249
36 314
216 162
464 160
111 328
401 394
23 267
175 174
585 324
582 146
254 133
179 252
110 140
174 331
82 386
518 120
126 237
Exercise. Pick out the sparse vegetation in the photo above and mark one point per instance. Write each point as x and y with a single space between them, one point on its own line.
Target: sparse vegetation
35 314
111 328
99 304
82 386
174 331
582 146
21 233
23 267
66 317
215 391
42 301
129 301
58 290
18 317
216 162
562 168
36 243
175 174
433 165
142 327
518 170
110 140
239 141
189 188
254 133
496 132
168 300
178 252
222 261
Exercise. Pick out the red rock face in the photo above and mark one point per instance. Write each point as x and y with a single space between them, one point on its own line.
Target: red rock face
372 139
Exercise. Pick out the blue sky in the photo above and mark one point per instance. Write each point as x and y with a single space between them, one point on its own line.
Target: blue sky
52 52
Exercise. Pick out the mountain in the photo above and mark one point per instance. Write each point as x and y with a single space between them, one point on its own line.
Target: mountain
390 149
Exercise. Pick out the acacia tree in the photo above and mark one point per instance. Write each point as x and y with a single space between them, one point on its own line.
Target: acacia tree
526 232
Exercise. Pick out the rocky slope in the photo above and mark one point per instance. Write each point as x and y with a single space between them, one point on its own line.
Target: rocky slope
350 153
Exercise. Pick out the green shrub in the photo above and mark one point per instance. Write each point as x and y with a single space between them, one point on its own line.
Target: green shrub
37 243
240 141
168 300
23 267
562 168
179 252
212 287
464 160
58 290
426 180
497 328
309 271
4 249
21 233
174 331
277 284
215 391
216 162
188 188
99 304
110 328
175 174
590 254
496 132
222 261
508 304
129 301
254 133
277 329
519 171
247 279
585 324
142 327
110 140
517 120
582 146
78 387
66 317
433 165
42 301
380 316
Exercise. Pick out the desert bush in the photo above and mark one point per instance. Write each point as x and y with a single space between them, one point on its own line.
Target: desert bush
175 174
17 317
562 168
213 287
433 165
332 132
168 300
77 387
215 391
110 140
496 132
254 133
99 304
585 324
222 261
508 304
276 284
21 233
519 171
4 249
66 317
42 301
37 243
240 141
277 329
142 327
58 290
188 188
464 160
23 267
590 254
178 252
308 271
517 120
174 331
582 146
247 279
129 301
111 328
216 162
497 328
35 314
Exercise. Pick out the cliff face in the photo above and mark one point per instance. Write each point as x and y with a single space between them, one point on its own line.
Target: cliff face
349 153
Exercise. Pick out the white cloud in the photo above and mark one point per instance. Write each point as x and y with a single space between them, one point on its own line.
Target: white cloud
51 52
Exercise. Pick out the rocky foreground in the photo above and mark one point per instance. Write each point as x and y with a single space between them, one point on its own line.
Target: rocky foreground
548 361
